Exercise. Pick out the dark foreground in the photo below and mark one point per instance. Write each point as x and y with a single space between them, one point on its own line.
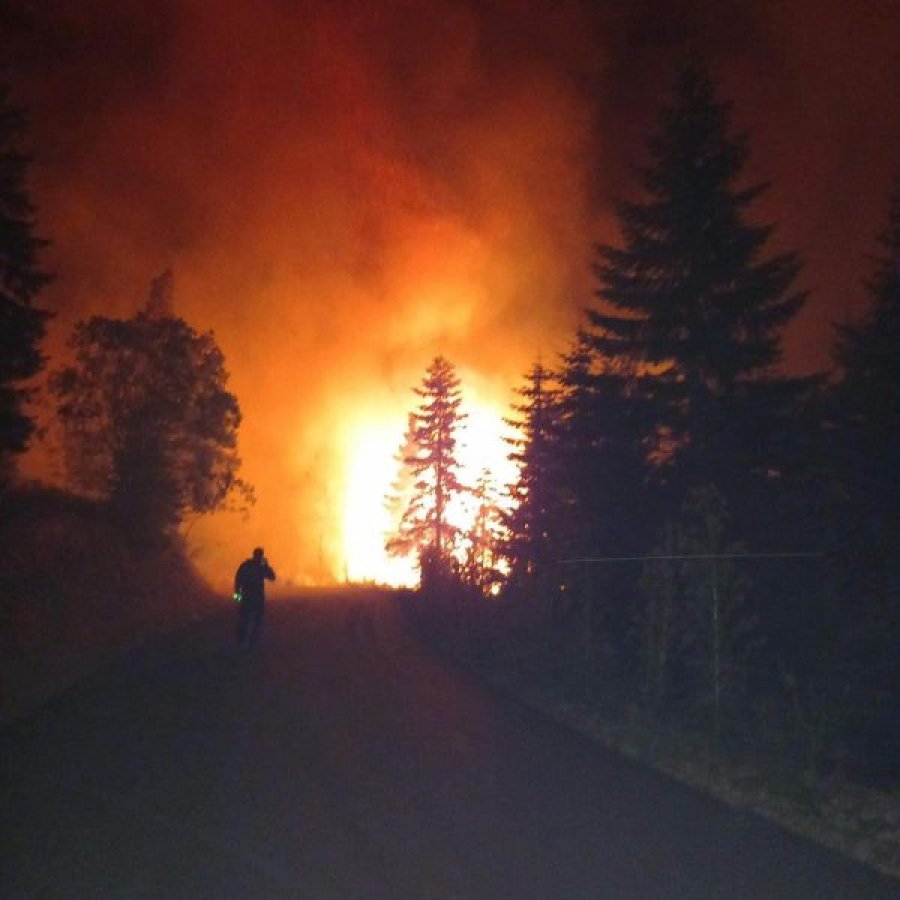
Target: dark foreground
342 760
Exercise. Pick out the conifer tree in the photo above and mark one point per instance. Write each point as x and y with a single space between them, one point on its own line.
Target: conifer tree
868 352
603 450
608 508
533 524
430 459
481 563
865 406
694 303
21 280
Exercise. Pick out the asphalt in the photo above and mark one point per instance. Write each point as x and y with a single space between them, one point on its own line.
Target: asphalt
342 759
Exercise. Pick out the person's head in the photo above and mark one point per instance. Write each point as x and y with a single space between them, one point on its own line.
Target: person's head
258 554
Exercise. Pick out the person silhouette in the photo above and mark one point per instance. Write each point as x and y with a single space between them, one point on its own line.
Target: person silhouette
250 590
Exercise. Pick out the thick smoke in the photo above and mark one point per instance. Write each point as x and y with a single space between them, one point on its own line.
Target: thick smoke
345 189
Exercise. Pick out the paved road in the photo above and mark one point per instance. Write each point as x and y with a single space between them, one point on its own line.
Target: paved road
344 761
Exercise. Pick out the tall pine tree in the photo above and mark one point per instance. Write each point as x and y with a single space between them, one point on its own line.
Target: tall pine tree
868 394
21 279
533 523
866 411
603 451
430 459
602 470
481 562
866 415
693 301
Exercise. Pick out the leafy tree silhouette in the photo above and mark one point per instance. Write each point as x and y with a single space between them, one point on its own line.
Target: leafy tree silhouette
21 280
148 423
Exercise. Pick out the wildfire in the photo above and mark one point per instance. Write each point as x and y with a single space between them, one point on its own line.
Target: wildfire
371 469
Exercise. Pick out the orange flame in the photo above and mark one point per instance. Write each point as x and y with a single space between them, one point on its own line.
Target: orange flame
371 442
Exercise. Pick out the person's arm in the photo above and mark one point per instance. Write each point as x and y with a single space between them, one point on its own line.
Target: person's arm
268 572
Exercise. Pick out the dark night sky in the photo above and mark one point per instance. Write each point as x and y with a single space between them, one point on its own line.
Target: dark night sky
361 185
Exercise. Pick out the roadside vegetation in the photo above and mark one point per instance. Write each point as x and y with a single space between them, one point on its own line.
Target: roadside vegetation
701 564
147 431
75 594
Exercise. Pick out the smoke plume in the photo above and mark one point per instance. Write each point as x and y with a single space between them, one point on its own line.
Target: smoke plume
346 189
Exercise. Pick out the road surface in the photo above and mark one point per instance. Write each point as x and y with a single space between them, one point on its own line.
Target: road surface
344 761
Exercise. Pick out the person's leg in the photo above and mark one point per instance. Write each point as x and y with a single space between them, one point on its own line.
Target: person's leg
242 623
257 623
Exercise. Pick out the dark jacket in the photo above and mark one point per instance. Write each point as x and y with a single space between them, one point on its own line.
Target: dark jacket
250 580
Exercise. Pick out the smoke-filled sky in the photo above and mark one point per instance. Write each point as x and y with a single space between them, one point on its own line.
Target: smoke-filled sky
346 189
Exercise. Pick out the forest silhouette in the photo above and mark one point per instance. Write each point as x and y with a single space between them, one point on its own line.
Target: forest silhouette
692 532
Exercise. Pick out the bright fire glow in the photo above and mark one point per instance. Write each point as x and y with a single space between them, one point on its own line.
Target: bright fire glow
371 469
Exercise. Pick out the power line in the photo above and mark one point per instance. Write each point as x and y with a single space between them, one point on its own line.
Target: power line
617 559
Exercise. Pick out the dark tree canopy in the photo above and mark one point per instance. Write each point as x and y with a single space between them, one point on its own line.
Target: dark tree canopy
693 300
606 441
693 534
21 279
533 523
482 542
863 418
866 411
869 350
147 419
429 457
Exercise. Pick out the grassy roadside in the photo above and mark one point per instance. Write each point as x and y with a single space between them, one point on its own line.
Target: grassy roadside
75 594
858 821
